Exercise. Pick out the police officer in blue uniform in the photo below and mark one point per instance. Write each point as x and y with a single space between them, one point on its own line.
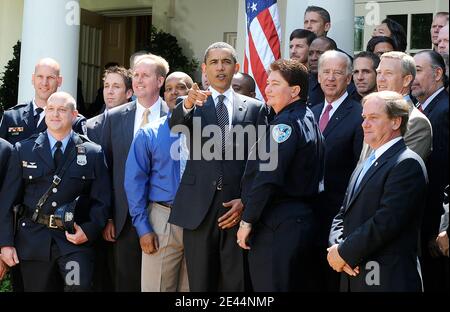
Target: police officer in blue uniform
277 191
49 172
25 119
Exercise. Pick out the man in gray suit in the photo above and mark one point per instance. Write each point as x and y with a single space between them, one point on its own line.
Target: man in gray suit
396 72
117 90
121 125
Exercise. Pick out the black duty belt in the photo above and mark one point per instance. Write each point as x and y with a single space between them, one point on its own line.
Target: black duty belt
47 220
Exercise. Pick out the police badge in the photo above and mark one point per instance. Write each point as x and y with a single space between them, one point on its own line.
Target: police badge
81 155
281 133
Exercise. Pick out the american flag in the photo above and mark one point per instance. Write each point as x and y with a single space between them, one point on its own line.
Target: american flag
262 43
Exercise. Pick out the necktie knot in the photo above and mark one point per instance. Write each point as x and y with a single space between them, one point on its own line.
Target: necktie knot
220 99
419 107
58 144
37 115
38 111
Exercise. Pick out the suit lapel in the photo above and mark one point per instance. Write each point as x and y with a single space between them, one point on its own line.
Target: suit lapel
434 102
239 109
129 115
209 112
164 109
42 148
379 163
338 116
317 111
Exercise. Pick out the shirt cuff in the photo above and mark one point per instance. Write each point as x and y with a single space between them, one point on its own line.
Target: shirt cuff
185 110
143 228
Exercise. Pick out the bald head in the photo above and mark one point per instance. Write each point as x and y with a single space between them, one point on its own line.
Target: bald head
64 98
46 79
49 62
60 113
177 84
244 84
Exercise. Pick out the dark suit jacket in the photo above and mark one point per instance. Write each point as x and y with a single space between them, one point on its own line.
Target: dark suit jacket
95 126
343 142
18 123
381 221
30 174
198 184
5 152
315 93
437 163
116 141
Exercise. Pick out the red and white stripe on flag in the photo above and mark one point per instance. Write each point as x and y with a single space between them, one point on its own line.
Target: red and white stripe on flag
262 43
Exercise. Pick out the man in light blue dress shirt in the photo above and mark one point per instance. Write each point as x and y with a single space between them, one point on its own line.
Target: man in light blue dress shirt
152 176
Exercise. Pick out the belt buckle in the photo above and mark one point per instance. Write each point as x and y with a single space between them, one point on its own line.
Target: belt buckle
51 222
56 180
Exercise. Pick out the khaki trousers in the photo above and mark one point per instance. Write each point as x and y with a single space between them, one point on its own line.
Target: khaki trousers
164 270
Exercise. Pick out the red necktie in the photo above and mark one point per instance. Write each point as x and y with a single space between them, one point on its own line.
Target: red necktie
419 107
323 122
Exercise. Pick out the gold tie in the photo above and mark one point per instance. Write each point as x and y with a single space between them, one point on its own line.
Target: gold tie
145 117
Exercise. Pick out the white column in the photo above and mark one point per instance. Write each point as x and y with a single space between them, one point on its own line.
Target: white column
50 28
293 11
342 14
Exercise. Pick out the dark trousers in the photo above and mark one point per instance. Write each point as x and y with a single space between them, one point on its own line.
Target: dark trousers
280 258
71 273
103 266
127 259
16 278
214 260
435 272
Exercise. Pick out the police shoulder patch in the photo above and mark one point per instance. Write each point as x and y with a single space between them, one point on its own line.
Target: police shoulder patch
281 132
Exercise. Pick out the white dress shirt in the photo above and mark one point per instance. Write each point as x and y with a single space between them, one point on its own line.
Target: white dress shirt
155 113
228 101
334 104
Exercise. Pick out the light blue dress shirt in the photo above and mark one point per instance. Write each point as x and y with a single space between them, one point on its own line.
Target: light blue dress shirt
53 141
152 171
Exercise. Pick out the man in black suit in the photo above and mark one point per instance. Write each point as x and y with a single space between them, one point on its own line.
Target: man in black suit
26 119
374 237
207 204
46 172
121 125
339 119
428 88
117 90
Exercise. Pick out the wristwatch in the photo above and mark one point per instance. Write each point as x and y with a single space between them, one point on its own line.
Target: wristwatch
245 225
